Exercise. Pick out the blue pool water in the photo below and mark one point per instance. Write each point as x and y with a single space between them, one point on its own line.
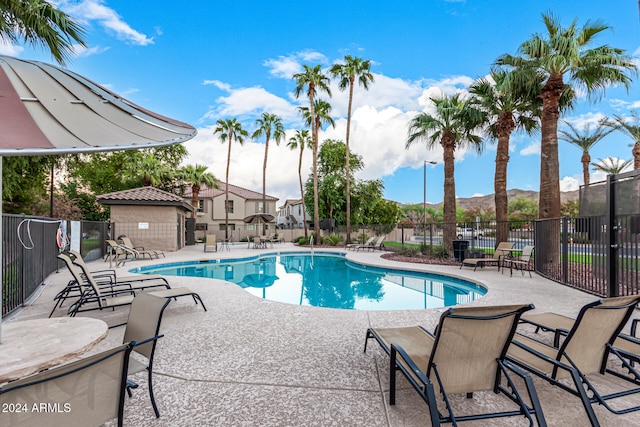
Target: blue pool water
329 280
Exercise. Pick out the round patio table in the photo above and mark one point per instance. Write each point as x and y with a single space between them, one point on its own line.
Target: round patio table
29 346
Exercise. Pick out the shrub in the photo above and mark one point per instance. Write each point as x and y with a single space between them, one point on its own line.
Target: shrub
331 240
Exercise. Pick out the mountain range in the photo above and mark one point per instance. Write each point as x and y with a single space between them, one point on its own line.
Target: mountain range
488 201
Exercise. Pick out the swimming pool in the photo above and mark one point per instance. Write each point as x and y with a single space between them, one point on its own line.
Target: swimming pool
326 279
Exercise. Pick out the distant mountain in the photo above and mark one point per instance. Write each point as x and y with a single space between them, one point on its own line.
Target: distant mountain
489 201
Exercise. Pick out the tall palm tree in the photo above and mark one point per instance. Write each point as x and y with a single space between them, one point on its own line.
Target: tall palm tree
451 126
564 57
196 176
611 165
352 69
509 108
584 140
268 125
314 80
229 130
39 23
630 127
301 140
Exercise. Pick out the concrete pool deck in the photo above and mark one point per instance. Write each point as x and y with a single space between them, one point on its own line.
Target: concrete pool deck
252 362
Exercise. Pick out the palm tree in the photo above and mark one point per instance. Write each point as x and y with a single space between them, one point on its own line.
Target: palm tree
451 126
229 130
313 79
301 140
509 108
196 176
611 165
565 54
630 128
39 23
352 69
268 125
147 168
584 140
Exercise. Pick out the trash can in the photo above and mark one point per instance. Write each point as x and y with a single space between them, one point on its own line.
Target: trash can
459 248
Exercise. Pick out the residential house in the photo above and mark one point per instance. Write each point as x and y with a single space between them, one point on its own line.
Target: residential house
210 215
290 215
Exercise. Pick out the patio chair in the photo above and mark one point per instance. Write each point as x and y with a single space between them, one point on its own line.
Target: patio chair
524 262
466 355
143 325
257 243
210 243
120 253
502 252
151 252
89 391
355 245
376 245
583 353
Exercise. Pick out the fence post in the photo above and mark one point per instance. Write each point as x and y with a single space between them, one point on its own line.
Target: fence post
565 250
612 231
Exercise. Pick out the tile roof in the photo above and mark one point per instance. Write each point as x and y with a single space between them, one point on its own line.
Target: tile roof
246 194
143 196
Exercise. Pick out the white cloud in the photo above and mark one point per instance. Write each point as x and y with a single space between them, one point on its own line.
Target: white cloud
286 66
583 120
250 101
9 49
531 149
570 183
88 51
108 18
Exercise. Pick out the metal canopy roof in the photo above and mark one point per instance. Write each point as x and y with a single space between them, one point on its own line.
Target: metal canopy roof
45 109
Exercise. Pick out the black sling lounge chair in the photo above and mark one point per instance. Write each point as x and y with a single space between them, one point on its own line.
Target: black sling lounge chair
466 355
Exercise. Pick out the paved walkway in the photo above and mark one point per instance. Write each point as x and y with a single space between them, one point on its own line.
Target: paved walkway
252 362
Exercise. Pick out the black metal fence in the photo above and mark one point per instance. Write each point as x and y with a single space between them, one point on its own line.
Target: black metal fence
29 249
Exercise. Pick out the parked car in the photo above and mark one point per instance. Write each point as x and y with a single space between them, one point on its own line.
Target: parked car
468 233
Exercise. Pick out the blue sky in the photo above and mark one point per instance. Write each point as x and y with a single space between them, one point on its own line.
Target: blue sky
201 61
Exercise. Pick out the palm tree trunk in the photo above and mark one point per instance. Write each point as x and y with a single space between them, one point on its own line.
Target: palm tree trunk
304 213
226 191
195 190
449 209
586 160
347 162
314 138
636 155
549 201
504 127
264 183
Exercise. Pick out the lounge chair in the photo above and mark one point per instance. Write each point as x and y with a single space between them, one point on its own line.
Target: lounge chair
583 353
502 251
104 279
89 391
210 243
466 354
376 245
120 253
524 261
143 323
151 252
97 297
355 245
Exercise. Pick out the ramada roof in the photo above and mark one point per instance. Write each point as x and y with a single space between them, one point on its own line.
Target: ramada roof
209 193
143 196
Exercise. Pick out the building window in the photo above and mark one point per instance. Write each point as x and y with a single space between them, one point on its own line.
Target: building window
200 205
230 206
231 227
201 226
260 207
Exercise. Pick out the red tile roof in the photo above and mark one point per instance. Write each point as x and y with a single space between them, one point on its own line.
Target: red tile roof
143 196
210 193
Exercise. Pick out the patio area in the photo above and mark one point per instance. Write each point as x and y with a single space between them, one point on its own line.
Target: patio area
252 362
